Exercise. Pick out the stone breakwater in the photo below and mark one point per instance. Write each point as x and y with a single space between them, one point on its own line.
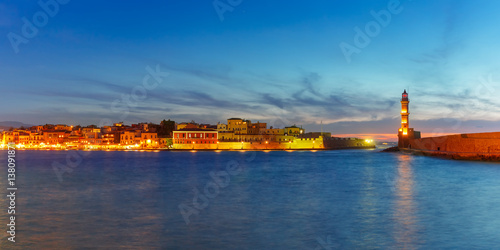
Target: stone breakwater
469 156
476 146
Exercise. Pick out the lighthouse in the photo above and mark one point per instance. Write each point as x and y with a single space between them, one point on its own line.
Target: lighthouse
406 133
405 112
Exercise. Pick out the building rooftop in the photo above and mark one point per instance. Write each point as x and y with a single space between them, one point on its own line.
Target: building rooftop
55 131
196 129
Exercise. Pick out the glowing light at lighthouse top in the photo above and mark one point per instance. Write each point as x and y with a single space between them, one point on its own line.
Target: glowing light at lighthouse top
404 96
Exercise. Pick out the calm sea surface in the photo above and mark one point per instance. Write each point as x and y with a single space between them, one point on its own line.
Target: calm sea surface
263 200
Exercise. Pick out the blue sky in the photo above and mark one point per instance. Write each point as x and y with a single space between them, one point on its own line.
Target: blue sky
274 61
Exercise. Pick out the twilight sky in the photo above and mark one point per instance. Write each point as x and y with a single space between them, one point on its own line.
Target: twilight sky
281 62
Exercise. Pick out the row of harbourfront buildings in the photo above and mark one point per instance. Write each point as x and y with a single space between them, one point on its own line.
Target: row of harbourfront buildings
241 134
118 136
236 134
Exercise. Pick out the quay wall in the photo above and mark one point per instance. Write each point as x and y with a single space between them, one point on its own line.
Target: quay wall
477 146
296 144
340 143
255 145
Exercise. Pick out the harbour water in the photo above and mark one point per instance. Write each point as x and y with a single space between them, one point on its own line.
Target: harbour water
340 199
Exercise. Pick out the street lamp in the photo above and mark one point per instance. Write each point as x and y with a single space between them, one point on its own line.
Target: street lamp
242 145
290 142
266 144
193 145
313 143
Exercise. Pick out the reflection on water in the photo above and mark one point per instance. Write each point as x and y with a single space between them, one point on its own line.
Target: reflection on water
405 233
345 199
368 207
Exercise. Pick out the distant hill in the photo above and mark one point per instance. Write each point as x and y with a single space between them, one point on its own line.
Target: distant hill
7 124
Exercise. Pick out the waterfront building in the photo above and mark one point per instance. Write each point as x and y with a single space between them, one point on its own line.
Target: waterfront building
23 137
238 125
110 138
184 125
221 127
227 135
195 136
35 139
256 128
164 142
55 136
75 140
127 137
8 136
294 131
149 139
94 138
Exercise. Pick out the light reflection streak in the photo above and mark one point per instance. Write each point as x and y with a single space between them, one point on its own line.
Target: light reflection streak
368 209
405 231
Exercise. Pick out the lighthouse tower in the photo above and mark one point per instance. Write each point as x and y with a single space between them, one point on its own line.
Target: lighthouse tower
405 112
405 133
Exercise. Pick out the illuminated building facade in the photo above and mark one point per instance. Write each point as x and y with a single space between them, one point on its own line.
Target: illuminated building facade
127 137
149 139
195 136
237 125
92 137
256 128
294 130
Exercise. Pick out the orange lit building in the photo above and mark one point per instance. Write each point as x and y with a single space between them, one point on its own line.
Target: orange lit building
257 128
55 136
35 139
8 136
75 140
127 137
195 136
110 138
149 139
93 138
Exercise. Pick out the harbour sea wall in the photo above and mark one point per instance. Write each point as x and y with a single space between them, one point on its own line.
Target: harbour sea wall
476 146
296 144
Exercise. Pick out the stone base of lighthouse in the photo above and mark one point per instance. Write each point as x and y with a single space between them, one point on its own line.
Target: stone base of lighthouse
404 140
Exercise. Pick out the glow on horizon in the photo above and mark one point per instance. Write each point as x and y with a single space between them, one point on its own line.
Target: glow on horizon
388 137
